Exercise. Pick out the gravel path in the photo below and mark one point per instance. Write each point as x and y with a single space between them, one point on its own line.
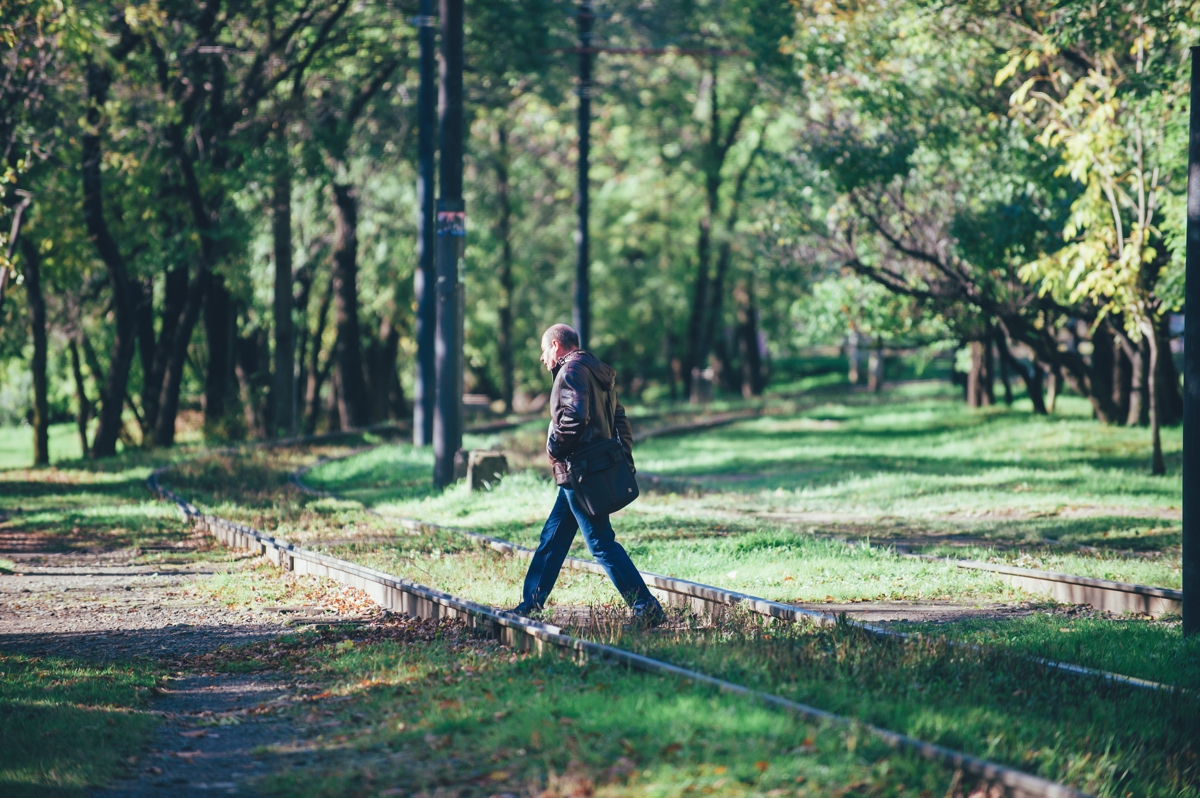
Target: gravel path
103 605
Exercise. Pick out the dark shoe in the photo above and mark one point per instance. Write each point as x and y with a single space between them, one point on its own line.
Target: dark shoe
526 610
648 617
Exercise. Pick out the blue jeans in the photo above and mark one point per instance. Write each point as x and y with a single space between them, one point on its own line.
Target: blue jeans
567 517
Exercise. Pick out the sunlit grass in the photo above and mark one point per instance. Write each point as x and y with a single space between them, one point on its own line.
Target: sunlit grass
1107 740
447 713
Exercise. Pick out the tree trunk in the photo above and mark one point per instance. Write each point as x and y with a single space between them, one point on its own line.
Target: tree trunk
852 358
1122 378
692 365
316 372
876 367
254 379
1002 365
694 356
975 377
352 389
989 369
303 278
84 413
1157 466
1137 384
334 409
155 353
112 396
716 290
383 375
283 388
752 367
1170 400
504 310
175 348
1032 377
1053 386
1102 360
219 379
37 321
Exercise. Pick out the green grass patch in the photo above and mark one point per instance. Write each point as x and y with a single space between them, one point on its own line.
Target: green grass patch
66 725
1104 739
440 713
1156 651
16 445
89 504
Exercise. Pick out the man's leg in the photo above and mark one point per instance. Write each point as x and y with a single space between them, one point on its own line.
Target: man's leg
602 542
547 561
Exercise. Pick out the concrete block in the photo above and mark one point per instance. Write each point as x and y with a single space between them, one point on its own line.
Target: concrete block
485 469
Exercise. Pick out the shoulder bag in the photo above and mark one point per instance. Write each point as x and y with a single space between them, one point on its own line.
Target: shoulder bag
600 475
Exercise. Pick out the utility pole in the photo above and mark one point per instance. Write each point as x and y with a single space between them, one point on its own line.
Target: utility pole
583 311
451 234
584 18
425 390
1191 372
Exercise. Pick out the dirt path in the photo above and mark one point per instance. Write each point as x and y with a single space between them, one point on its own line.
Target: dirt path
104 606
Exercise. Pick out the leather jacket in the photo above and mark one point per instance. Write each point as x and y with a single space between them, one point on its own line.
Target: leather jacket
582 402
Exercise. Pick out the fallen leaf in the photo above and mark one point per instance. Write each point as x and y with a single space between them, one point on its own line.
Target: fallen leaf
762 765
670 749
498 775
720 770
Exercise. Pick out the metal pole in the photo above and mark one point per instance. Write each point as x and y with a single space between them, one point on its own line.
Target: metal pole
583 312
451 232
425 390
1191 373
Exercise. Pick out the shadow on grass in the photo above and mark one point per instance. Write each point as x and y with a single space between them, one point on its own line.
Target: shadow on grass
66 724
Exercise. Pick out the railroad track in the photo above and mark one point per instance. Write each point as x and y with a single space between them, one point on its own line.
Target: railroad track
702 599
1101 594
401 595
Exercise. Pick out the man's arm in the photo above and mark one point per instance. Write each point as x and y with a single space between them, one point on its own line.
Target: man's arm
624 430
572 417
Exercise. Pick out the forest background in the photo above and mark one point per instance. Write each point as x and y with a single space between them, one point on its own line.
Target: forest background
210 210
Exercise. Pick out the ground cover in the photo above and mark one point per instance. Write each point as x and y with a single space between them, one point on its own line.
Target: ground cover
444 712
16 445
1060 493
80 504
432 711
722 536
1132 646
955 696
1107 740
68 723
667 537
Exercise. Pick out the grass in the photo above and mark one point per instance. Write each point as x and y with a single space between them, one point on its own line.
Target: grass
849 471
66 725
991 702
1106 740
16 445
88 504
1134 647
428 710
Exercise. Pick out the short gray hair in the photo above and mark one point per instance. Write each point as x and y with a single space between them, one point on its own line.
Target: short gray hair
562 333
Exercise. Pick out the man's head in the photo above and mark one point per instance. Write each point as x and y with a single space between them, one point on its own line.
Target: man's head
557 341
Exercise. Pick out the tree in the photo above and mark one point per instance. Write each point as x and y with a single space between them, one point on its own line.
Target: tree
1110 141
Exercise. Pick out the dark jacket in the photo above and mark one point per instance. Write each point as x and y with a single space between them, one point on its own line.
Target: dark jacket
582 402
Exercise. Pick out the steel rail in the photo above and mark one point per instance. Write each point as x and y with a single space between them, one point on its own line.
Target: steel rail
410 598
1101 594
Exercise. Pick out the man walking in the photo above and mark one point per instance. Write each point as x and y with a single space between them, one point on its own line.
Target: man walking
583 387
